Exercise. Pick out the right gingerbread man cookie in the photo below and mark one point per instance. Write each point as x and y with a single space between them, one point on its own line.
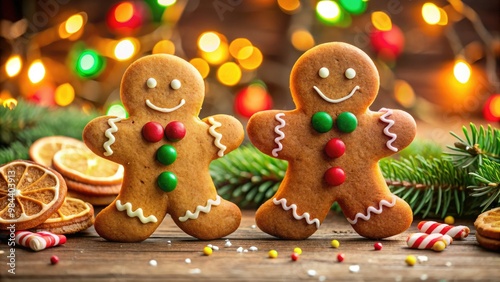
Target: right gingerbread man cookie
333 143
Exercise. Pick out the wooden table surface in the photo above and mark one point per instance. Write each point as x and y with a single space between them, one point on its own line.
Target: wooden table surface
86 256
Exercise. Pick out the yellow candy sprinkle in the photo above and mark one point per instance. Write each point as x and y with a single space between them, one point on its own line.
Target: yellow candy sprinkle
449 220
207 251
273 254
411 260
297 251
335 243
439 246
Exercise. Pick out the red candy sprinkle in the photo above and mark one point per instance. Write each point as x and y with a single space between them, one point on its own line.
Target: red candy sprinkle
340 257
152 131
295 257
335 148
377 246
54 259
334 176
175 131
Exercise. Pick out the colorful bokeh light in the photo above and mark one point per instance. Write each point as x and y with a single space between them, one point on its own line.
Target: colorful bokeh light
229 74
89 64
252 99
355 7
13 65
36 71
462 71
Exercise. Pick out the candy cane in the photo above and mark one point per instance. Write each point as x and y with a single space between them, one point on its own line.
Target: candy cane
456 232
39 241
427 241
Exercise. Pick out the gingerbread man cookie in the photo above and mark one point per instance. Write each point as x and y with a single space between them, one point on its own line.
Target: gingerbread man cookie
332 143
165 150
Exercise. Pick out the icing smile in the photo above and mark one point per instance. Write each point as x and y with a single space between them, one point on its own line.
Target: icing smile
164 110
335 101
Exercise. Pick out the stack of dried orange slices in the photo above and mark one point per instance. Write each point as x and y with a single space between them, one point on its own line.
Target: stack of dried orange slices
88 176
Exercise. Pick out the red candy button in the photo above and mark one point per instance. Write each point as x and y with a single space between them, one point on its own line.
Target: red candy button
334 176
152 131
175 131
335 148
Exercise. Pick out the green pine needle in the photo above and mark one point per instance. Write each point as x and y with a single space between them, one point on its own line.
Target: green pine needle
487 186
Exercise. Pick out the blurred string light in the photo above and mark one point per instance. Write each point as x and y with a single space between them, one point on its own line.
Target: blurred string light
118 110
434 15
89 64
238 44
125 17
289 6
64 94
462 71
201 65
10 103
74 23
491 109
13 65
126 48
166 3
381 21
229 74
36 71
250 57
209 41
302 39
404 93
252 99
355 7
328 12
164 47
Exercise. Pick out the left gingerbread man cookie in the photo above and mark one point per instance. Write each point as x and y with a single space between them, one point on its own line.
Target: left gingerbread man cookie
166 151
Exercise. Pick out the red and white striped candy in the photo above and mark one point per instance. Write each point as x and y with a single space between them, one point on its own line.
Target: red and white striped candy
456 232
39 241
427 241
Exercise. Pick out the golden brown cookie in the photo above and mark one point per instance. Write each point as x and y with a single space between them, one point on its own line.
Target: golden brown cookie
488 243
166 150
333 143
73 216
29 194
488 224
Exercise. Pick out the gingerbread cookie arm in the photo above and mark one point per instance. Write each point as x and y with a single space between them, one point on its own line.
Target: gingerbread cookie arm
398 130
102 135
267 131
227 133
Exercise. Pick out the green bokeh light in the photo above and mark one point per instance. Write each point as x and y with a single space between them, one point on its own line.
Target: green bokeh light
329 12
355 7
89 64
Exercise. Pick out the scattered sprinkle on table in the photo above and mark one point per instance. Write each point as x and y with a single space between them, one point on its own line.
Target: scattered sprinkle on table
311 272
354 268
54 259
335 243
424 277
195 271
188 260
297 250
153 262
273 254
340 257
449 220
377 246
207 251
448 263
253 249
169 242
411 260
239 250
228 243
253 226
422 259
295 256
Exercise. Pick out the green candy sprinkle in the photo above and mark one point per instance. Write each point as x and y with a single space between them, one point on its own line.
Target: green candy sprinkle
166 154
167 181
322 122
347 122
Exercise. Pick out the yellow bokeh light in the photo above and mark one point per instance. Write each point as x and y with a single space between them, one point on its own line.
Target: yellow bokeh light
209 41
229 74
166 3
164 47
302 39
125 49
289 6
237 44
495 106
329 10
218 56
74 23
443 17
404 94
10 103
381 21
64 94
124 12
431 13
201 65
36 71
462 71
13 65
253 60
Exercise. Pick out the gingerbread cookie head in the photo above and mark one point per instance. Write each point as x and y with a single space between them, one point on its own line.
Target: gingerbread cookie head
160 85
343 77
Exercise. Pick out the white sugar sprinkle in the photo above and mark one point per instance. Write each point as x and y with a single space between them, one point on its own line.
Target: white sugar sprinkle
228 244
239 250
322 278
424 277
245 251
253 226
422 259
448 263
153 262
354 268
311 272
215 248
253 249
169 242
188 260
195 271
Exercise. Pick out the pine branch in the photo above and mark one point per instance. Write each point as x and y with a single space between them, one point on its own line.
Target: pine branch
487 186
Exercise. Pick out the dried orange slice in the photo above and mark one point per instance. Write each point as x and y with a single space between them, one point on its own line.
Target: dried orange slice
84 166
73 216
43 150
488 224
29 194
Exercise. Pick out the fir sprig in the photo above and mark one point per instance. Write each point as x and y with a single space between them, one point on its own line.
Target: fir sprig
488 184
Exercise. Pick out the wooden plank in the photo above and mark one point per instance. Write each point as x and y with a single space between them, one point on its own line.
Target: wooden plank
87 256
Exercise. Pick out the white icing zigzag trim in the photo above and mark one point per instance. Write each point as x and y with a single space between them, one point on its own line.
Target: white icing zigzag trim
293 207
137 213
335 101
217 136
278 131
390 123
370 209
164 110
205 209
109 133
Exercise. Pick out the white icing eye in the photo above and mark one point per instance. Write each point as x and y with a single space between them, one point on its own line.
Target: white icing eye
175 84
350 73
323 72
151 82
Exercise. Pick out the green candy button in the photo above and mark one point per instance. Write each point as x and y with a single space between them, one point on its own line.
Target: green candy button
166 154
347 122
167 181
322 122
